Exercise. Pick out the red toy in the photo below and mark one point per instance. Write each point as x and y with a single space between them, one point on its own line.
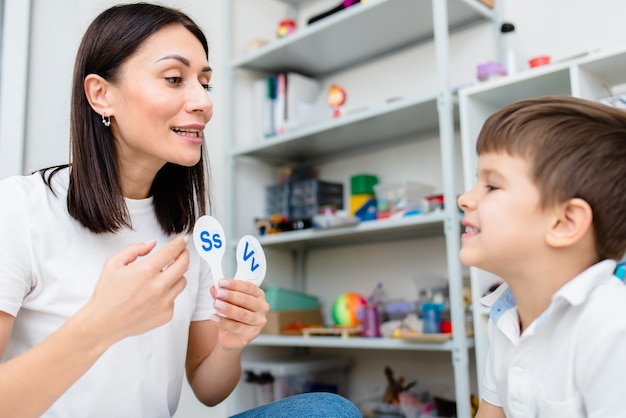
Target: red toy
336 98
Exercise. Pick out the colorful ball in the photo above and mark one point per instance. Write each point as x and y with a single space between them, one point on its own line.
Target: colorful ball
346 309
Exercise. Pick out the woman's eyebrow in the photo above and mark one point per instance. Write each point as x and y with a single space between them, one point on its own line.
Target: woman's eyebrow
184 61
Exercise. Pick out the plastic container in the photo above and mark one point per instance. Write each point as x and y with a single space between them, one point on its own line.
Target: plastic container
370 321
281 299
307 197
490 70
432 317
402 198
363 184
277 200
295 376
509 36
539 61
357 201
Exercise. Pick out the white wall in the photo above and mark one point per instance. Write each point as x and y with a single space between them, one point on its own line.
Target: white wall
554 27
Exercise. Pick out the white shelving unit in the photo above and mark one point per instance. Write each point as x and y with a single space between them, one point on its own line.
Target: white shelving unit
594 76
335 44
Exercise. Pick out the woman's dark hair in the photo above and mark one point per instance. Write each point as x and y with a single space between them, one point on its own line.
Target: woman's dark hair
95 196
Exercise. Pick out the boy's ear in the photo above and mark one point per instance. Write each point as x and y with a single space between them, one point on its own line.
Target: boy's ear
97 93
572 221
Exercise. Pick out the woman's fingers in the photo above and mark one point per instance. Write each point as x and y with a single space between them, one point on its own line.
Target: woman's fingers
140 292
241 301
131 253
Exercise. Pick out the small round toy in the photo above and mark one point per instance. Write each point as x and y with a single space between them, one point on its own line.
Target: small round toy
346 309
286 27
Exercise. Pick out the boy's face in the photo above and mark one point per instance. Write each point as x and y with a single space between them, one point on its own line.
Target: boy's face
504 224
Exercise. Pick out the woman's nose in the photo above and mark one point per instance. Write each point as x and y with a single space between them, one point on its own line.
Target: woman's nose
200 101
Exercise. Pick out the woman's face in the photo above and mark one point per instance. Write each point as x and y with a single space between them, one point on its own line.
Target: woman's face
160 103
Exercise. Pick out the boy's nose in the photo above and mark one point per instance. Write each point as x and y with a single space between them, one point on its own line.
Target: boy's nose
464 201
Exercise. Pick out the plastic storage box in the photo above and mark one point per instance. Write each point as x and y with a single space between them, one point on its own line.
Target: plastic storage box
400 199
281 299
277 200
308 196
295 376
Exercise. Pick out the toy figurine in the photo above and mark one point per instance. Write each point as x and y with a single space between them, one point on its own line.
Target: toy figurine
336 98
395 387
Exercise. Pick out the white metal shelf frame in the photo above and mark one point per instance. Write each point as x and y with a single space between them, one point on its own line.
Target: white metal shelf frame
356 343
417 22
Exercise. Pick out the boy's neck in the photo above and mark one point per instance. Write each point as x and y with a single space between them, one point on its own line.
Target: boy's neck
534 286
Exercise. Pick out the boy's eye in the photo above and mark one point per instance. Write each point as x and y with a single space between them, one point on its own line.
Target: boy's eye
490 187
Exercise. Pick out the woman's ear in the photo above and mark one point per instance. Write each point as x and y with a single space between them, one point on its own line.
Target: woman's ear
573 221
96 90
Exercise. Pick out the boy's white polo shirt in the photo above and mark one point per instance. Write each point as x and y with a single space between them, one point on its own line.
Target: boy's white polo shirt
571 361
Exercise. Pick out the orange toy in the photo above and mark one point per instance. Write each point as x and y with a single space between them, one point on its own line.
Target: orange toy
336 98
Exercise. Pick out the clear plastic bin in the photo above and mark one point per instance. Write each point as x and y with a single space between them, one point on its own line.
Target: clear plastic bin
295 376
401 198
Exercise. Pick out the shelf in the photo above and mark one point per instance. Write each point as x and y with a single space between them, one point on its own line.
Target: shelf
365 232
370 127
344 41
551 80
354 342
607 66
339 41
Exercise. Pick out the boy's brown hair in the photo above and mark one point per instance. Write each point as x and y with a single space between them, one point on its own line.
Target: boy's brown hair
576 148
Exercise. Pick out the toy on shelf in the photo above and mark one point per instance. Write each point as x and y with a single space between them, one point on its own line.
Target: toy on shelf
286 27
343 5
539 61
395 387
363 196
490 70
343 332
345 310
336 98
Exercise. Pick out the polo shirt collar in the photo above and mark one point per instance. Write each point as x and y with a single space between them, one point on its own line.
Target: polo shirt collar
578 289
573 292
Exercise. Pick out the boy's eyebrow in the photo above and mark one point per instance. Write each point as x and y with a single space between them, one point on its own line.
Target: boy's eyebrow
184 61
487 172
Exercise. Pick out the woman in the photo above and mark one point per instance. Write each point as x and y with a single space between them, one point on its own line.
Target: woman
102 307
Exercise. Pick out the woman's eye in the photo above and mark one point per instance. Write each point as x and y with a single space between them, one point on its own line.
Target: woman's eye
207 87
174 80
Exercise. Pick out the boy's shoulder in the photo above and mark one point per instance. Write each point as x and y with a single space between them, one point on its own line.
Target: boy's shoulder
597 282
597 300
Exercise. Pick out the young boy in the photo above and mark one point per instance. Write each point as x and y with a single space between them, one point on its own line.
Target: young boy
548 215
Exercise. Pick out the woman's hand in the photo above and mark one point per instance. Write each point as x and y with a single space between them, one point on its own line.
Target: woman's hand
135 295
243 310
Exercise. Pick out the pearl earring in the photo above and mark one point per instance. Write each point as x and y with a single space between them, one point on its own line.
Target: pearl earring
106 120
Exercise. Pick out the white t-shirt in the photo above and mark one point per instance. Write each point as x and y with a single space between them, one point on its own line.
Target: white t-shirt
48 270
570 362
